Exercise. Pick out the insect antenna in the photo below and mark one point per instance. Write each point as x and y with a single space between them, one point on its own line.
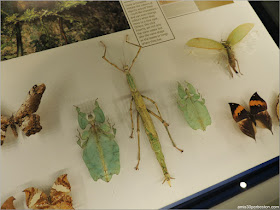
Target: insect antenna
105 58
140 47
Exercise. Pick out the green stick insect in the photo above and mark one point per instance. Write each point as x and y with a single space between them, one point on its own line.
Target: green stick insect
235 36
144 113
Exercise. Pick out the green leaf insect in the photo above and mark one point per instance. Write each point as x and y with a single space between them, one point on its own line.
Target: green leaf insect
191 103
100 150
235 36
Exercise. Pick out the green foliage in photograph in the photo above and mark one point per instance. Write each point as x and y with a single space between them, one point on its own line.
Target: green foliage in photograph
33 26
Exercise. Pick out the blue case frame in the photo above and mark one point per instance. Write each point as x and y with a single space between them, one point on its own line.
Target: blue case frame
228 188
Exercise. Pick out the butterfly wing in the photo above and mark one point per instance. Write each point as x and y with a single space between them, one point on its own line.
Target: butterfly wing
36 199
8 204
239 33
242 117
60 198
205 43
258 108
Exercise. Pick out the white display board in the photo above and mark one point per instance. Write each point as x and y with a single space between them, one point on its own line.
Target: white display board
76 73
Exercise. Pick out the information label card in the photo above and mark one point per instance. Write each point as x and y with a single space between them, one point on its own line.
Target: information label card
148 22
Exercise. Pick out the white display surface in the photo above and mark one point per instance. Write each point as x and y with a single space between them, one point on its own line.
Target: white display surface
76 73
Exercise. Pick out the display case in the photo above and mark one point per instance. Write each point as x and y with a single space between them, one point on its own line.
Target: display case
76 74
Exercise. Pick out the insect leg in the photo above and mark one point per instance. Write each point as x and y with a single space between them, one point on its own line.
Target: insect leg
136 54
132 125
104 57
158 117
238 67
13 126
166 127
229 69
138 135
14 129
151 100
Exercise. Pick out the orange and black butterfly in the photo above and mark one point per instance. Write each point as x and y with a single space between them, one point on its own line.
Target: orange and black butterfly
258 115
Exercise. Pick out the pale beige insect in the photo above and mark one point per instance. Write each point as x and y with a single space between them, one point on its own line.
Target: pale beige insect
235 36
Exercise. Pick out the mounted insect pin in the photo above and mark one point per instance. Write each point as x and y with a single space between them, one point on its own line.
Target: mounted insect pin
144 113
227 46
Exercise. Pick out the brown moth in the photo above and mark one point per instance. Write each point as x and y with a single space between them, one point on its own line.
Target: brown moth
8 204
25 118
258 115
59 196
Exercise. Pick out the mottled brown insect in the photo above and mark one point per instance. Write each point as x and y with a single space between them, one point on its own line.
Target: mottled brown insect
258 115
9 203
59 196
25 118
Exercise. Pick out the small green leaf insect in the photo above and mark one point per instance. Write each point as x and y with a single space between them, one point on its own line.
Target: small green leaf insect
191 103
100 150
235 36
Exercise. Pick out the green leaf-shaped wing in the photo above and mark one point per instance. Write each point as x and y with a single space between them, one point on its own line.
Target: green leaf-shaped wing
99 115
197 115
239 33
181 91
191 88
82 119
205 43
101 156
195 111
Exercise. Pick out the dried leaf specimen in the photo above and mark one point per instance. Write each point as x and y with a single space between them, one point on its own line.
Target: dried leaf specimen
9 203
144 113
100 150
258 115
235 36
191 103
59 196
25 118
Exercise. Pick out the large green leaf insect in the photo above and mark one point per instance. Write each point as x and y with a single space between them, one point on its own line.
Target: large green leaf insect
235 36
144 113
191 103
100 150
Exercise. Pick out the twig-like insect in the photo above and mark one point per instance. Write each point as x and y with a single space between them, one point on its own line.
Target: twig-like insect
144 113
